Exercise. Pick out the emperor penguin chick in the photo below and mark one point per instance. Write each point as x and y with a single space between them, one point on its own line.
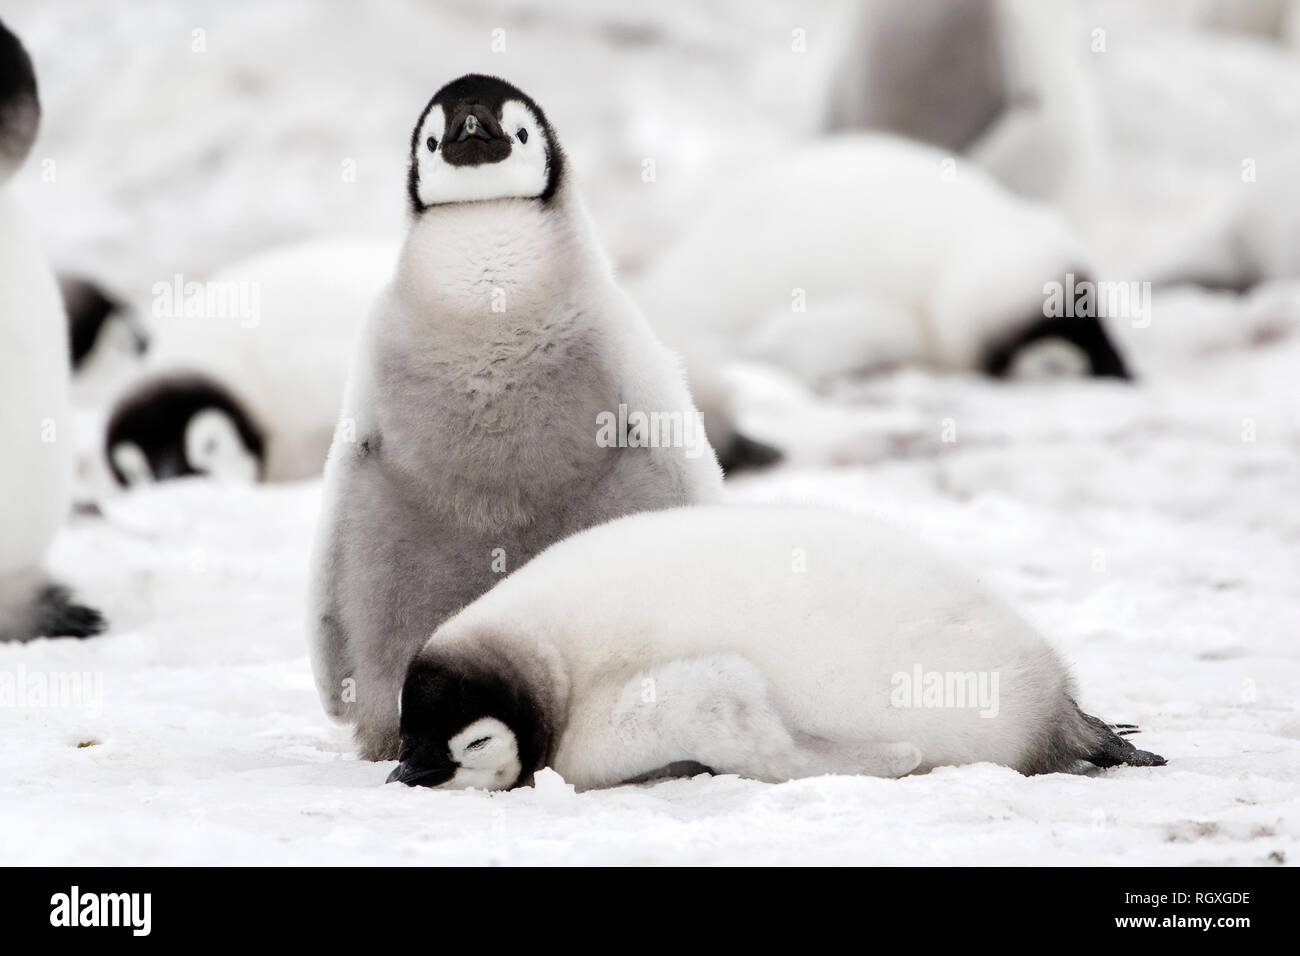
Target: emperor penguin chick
35 408
818 643
504 394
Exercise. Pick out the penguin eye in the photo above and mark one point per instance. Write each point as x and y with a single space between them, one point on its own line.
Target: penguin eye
432 143
476 744
522 134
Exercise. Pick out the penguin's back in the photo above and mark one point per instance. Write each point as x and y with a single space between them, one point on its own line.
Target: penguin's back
838 611
35 415
858 215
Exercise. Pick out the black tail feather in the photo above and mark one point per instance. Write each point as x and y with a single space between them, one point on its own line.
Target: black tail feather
1111 749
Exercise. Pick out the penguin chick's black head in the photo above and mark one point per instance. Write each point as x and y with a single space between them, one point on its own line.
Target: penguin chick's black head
182 424
90 311
20 108
1076 343
468 725
481 138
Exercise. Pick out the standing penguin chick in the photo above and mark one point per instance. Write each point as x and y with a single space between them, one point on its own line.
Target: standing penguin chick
820 642
35 413
486 403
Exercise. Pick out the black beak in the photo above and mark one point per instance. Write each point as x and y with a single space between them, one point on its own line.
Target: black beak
414 776
474 137
171 464
472 126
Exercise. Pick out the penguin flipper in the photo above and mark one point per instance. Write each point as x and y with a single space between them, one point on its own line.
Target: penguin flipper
886 759
328 636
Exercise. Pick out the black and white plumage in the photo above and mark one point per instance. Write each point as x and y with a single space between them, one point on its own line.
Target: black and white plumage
35 410
477 390
96 316
808 647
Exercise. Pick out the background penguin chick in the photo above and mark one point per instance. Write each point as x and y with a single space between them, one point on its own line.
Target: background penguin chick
35 412
94 318
269 365
179 425
864 252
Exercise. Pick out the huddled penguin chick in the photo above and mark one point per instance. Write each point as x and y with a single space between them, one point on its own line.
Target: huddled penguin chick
35 411
818 642
245 372
489 394
867 251
862 252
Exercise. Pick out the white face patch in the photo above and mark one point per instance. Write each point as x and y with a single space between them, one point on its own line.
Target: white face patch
520 175
130 460
488 756
1050 358
213 447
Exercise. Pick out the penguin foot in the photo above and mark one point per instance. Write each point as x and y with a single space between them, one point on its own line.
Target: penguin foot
58 616
1110 749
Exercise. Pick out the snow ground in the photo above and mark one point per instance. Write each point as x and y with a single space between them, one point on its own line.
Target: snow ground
1151 530
1155 546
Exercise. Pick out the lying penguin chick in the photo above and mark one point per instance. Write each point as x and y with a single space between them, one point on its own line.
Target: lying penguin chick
249 388
861 252
819 642
35 408
180 425
489 390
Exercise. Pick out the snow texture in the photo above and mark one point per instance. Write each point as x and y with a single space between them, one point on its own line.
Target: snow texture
1150 530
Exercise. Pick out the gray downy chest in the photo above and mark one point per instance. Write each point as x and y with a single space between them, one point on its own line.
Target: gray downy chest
499 429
